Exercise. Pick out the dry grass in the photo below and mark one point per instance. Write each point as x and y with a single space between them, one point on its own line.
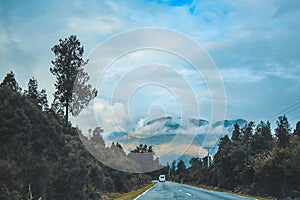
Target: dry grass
132 194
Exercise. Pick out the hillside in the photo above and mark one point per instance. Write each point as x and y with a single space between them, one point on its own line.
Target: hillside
37 150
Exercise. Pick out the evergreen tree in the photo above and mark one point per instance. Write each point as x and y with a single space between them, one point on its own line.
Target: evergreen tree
39 98
262 139
196 163
9 81
222 163
236 134
144 157
181 171
70 75
247 132
173 170
297 130
181 166
283 131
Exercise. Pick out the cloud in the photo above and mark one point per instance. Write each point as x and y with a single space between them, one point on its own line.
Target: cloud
110 116
255 44
241 75
102 25
144 130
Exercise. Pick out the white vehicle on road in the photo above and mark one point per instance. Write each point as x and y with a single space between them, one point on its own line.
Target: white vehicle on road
162 178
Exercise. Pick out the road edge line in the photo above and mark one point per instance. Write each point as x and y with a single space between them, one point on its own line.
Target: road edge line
144 192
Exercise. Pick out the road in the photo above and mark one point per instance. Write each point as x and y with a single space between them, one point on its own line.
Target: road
170 190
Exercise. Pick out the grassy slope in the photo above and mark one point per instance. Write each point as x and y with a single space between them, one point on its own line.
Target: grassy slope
132 194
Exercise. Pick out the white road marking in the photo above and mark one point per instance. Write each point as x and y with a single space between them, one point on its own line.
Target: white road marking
188 194
143 193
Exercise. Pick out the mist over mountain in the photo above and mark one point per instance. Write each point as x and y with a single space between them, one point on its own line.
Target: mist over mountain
175 139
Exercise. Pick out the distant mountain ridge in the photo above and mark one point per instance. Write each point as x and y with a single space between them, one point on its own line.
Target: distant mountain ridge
165 129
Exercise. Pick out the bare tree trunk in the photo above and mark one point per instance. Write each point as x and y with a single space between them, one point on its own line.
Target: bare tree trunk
67 112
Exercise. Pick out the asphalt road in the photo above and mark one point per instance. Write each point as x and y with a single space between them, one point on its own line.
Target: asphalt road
170 190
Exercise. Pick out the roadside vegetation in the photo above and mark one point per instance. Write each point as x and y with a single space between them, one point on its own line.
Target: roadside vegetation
130 195
253 161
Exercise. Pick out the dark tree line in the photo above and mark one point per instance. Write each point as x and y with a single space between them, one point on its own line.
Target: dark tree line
252 161
142 149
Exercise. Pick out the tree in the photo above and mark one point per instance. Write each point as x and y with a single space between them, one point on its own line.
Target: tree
181 166
39 98
297 130
144 157
181 169
97 136
9 81
236 134
173 170
222 163
69 74
143 149
35 150
262 138
196 163
282 131
247 132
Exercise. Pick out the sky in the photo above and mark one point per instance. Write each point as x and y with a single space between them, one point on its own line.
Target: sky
253 44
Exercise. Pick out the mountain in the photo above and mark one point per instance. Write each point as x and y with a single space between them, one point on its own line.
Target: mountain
172 140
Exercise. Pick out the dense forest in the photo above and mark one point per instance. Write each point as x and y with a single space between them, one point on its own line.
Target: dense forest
39 150
252 161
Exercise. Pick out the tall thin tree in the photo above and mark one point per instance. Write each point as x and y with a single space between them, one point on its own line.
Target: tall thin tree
68 65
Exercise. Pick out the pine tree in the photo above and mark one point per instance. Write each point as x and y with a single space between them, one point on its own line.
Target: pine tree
282 131
70 75
297 130
262 139
181 170
247 132
39 98
9 81
236 134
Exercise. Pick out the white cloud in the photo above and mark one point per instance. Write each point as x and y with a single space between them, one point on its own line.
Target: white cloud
241 75
94 26
110 116
250 41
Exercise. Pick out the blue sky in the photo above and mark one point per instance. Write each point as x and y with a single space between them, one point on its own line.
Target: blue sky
254 44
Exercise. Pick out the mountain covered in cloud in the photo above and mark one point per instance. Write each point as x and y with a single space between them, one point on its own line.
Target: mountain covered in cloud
174 139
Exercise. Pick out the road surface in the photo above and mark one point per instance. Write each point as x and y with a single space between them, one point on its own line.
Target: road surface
170 190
